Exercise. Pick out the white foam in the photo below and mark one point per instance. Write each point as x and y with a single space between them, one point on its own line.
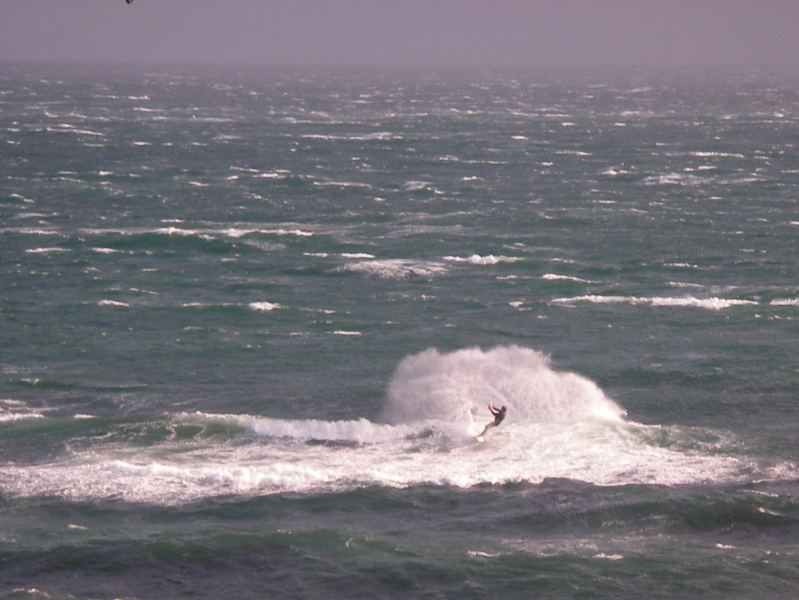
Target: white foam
21 197
556 277
395 268
476 259
64 128
16 410
683 284
48 250
344 184
170 231
377 136
785 302
415 186
659 301
264 306
571 152
614 172
207 232
32 215
717 154
672 179
559 424
113 303
207 304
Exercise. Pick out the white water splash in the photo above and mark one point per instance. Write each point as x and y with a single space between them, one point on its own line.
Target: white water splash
559 425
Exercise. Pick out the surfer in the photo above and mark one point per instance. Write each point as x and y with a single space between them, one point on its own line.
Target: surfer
499 415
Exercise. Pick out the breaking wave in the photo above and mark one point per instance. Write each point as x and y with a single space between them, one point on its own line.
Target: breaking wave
559 424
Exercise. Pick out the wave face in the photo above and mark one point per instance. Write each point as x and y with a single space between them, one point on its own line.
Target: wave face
559 425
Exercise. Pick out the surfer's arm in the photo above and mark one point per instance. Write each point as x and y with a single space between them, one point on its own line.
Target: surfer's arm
494 411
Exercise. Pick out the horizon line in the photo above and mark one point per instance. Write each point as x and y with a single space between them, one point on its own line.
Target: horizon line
390 65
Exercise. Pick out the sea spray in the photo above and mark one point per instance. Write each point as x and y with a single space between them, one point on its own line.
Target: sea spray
455 388
559 425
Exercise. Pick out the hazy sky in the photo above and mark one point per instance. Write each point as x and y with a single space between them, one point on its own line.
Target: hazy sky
405 32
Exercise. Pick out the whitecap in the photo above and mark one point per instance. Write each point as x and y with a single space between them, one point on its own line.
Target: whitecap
113 303
572 152
659 301
207 304
395 268
785 302
556 277
32 215
476 259
264 306
377 136
415 186
672 179
16 410
702 154
48 250
614 172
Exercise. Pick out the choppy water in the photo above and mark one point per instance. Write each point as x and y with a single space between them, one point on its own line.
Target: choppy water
251 320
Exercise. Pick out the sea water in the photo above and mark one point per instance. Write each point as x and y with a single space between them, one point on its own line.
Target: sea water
250 321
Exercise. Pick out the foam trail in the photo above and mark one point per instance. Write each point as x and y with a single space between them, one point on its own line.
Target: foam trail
659 301
360 431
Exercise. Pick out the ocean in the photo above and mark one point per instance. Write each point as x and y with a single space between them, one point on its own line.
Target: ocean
251 320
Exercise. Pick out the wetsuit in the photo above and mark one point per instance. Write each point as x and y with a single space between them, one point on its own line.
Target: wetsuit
499 414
